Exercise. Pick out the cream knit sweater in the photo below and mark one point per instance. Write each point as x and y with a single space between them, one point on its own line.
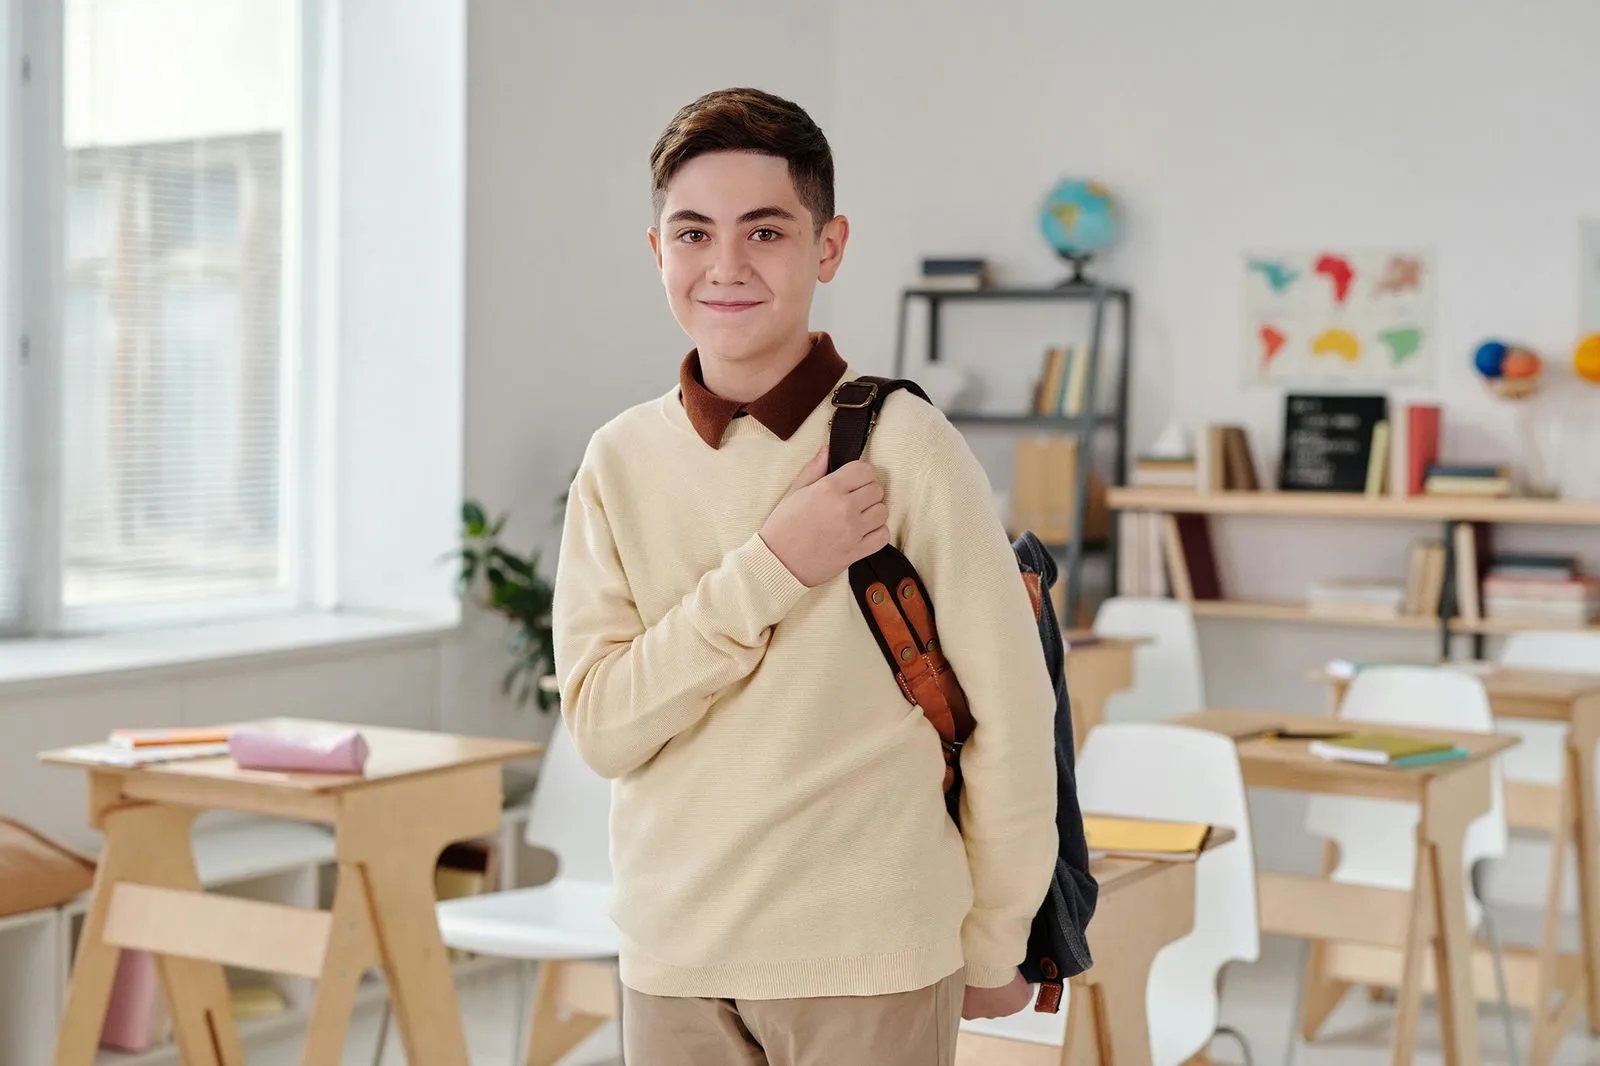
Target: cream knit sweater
777 826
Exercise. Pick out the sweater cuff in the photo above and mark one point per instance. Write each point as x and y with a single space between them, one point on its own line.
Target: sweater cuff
980 975
770 576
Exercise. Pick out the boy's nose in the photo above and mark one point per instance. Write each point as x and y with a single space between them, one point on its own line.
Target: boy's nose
729 266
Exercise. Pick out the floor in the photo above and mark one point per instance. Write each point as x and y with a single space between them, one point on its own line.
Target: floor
1256 1003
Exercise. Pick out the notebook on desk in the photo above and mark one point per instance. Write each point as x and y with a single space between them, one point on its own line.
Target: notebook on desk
1141 838
1386 749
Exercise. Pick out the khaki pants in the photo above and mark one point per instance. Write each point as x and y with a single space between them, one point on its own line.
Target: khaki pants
904 1029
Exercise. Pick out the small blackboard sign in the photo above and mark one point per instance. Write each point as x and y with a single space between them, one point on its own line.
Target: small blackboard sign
1327 441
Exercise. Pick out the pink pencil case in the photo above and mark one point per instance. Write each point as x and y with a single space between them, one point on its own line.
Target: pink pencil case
337 753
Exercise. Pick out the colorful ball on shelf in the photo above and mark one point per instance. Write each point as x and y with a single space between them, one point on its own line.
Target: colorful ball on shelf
1490 358
1586 359
1521 363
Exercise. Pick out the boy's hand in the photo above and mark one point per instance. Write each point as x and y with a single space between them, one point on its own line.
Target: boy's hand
996 1002
827 521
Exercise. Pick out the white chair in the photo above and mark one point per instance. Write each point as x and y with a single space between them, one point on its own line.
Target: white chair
555 925
1171 772
1540 759
1167 677
1377 838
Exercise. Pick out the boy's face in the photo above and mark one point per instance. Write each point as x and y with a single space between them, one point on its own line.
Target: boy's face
739 254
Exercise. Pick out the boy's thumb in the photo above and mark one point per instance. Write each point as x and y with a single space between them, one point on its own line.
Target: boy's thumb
813 471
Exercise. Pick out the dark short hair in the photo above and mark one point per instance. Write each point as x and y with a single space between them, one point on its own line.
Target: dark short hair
748 120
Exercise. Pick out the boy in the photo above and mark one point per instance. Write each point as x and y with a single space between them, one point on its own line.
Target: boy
789 887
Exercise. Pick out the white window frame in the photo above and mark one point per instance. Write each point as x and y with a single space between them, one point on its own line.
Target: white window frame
308 329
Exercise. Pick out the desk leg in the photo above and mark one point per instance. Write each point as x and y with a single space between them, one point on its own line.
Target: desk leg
1581 739
1117 1004
1419 933
393 835
350 952
144 844
1453 801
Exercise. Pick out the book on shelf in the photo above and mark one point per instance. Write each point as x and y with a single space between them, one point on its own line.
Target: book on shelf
955 273
1573 601
1414 432
1467 480
1062 388
1356 598
1144 838
1424 585
1386 749
1378 460
1538 567
1141 562
1191 561
134 1014
257 1001
1165 472
1471 545
1225 462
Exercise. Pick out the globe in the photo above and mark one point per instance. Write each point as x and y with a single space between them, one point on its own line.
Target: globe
1079 219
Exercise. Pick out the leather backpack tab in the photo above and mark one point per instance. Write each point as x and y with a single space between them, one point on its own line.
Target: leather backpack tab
36 872
891 594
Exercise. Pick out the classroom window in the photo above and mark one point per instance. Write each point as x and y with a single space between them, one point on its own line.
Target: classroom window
170 485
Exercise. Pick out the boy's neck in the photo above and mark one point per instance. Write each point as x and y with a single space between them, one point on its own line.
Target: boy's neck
745 380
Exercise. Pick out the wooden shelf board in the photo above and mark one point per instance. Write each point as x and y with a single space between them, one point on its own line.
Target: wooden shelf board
1502 626
1284 611
1349 505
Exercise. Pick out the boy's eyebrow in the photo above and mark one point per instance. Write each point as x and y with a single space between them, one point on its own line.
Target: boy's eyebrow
772 211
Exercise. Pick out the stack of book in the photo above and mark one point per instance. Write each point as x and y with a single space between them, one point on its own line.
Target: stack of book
1172 472
1063 381
1540 589
1467 479
140 747
1356 598
955 273
1384 749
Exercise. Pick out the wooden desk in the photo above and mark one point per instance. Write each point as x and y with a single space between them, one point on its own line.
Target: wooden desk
1094 672
1550 985
1377 928
1143 906
420 792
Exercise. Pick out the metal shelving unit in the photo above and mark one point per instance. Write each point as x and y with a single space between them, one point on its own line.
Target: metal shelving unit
1083 426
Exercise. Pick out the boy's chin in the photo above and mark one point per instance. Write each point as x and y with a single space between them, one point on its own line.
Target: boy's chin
734 341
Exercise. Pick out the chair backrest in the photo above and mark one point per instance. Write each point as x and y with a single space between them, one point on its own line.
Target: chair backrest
1540 758
1176 773
1377 838
570 812
1167 681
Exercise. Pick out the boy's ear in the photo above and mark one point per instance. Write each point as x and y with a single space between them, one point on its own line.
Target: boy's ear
831 242
655 244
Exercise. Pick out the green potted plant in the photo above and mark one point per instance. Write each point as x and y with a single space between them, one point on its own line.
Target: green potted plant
511 585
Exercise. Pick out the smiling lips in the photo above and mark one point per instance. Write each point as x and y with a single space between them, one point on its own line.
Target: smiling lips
729 307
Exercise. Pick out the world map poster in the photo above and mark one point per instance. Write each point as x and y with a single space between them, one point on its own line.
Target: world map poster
1332 316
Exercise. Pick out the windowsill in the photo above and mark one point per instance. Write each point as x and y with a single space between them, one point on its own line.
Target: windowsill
96 659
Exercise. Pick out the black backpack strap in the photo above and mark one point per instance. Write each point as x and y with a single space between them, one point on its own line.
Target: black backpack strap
855 411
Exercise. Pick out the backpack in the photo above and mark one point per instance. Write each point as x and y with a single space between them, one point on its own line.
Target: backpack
900 615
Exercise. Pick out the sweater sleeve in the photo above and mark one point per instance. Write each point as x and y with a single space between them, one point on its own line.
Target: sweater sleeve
987 631
628 689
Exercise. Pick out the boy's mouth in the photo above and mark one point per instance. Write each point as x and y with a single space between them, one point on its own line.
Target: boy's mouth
729 307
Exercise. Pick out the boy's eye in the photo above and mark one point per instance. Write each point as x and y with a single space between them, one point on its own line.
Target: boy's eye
693 236
765 234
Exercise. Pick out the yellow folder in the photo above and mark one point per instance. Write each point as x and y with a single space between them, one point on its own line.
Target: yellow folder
1145 838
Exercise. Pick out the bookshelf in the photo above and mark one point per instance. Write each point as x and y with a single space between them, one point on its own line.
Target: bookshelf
1448 511
1084 428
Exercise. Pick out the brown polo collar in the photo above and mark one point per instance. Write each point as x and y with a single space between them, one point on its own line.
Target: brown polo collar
782 408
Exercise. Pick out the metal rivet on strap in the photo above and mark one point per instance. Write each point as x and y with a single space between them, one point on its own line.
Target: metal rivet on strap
933 644
906 654
907 591
877 595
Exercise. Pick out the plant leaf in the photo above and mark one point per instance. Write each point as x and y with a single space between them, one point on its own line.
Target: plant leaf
473 518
